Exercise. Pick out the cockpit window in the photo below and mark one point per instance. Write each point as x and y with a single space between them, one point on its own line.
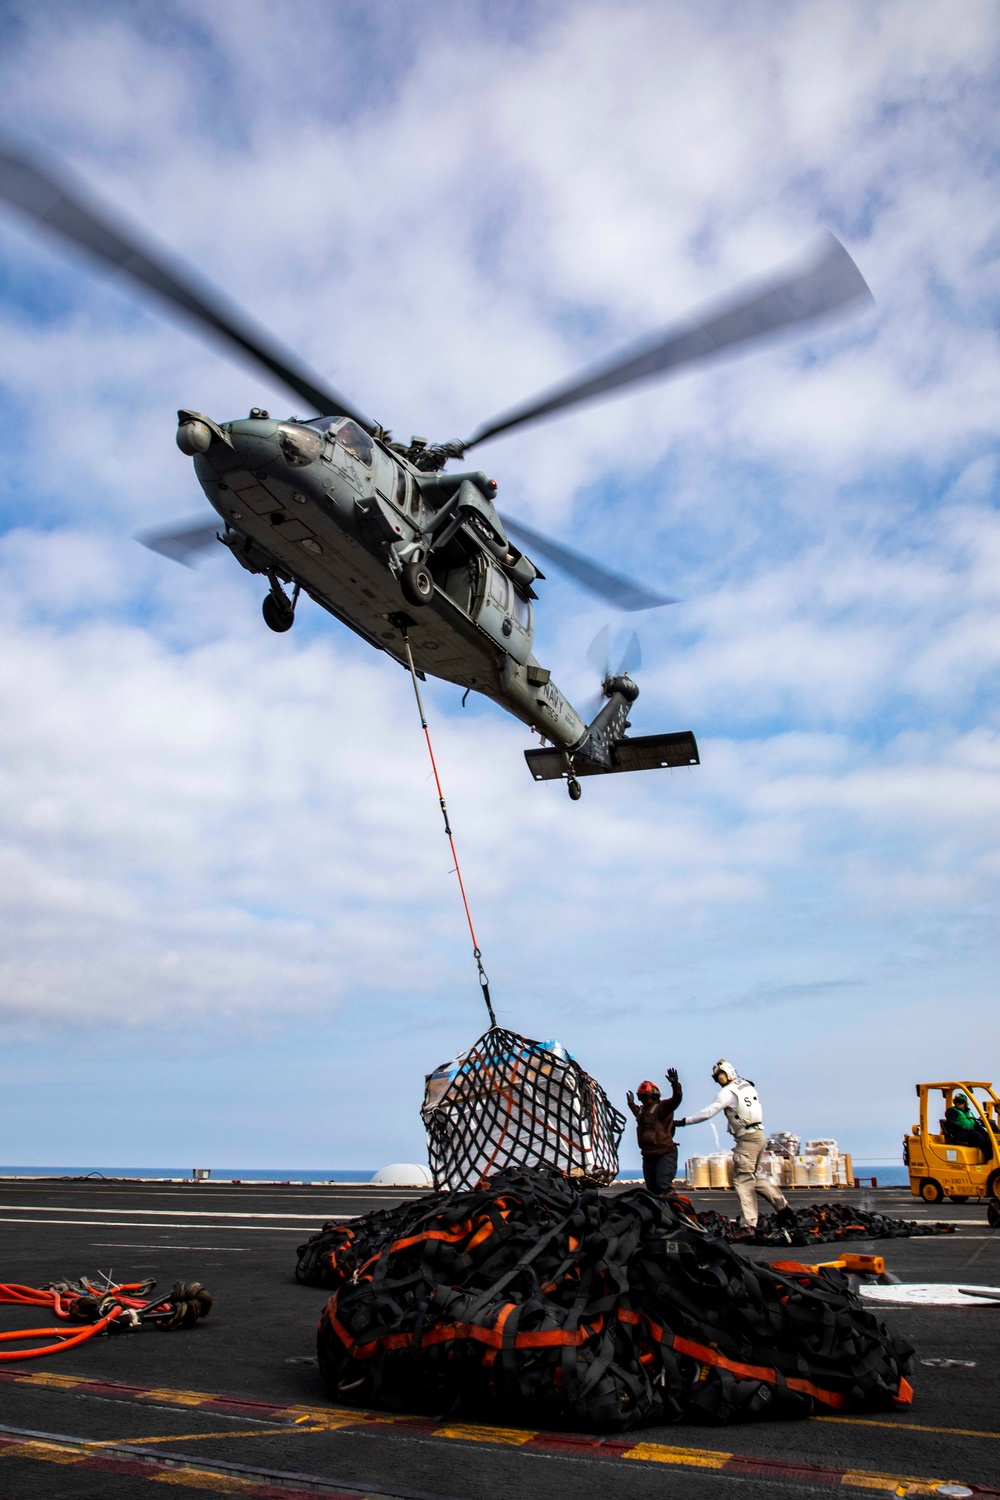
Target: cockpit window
349 435
357 442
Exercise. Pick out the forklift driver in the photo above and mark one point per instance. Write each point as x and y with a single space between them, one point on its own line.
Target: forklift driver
961 1128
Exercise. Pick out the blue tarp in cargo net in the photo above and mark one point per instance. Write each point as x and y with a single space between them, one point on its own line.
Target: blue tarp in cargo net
512 1102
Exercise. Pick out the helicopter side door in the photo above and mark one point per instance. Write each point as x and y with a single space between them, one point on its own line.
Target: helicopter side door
503 613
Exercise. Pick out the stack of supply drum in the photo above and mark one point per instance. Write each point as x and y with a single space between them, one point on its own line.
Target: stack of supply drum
819 1164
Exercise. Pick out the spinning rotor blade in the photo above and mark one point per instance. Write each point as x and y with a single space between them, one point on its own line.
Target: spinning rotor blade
631 657
599 658
599 655
599 652
826 282
47 202
181 543
622 592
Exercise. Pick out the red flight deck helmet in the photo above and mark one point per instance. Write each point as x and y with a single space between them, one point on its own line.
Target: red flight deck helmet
647 1089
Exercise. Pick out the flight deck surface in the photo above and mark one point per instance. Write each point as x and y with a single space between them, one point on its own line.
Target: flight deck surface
236 1405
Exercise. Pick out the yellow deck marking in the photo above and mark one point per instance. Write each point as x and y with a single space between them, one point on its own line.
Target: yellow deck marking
191 1437
45 1377
659 1453
204 1479
894 1484
175 1398
208 1479
53 1453
338 1417
470 1433
345 1415
909 1427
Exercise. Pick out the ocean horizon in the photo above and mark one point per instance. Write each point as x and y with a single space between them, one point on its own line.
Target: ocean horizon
218 1174
887 1175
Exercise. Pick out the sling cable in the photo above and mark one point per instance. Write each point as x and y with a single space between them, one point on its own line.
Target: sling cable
476 953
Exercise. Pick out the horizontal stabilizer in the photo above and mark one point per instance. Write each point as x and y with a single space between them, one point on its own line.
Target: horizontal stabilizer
646 752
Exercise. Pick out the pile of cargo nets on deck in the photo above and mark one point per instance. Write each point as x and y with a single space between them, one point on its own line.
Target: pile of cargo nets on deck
819 1224
536 1300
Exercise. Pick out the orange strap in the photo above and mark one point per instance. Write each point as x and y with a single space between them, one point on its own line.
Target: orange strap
476 953
91 1331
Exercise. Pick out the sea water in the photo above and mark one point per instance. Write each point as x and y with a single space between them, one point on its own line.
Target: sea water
219 1174
887 1175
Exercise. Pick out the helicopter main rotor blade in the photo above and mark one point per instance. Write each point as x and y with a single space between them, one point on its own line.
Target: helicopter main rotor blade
826 282
49 203
624 593
181 543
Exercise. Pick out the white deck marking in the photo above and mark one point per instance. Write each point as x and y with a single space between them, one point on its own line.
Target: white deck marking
131 1245
129 1224
929 1294
188 1213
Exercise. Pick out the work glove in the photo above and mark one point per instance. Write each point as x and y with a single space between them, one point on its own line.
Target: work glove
631 1098
672 1076
679 1122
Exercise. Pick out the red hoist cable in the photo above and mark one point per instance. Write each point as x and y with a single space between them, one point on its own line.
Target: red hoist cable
477 955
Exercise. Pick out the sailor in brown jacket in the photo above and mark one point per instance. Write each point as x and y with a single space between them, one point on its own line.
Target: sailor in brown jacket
654 1128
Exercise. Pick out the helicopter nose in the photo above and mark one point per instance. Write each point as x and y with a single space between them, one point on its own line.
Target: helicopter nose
254 441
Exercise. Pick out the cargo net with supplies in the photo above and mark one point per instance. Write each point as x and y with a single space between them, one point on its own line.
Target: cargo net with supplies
537 1300
512 1102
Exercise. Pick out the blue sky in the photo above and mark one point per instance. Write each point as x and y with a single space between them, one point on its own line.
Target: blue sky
227 923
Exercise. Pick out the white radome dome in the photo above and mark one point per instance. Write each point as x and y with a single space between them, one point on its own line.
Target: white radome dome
403 1174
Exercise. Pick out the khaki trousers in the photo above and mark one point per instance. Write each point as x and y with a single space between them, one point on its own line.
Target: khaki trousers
746 1156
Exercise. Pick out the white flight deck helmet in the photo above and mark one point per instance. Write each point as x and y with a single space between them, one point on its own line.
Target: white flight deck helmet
724 1073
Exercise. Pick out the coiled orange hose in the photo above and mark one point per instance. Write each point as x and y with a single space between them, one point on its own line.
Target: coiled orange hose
62 1302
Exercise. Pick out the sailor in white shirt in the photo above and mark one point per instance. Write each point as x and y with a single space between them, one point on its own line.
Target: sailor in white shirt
738 1097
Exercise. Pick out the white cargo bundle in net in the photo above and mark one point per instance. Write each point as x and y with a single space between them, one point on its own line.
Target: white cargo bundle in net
512 1102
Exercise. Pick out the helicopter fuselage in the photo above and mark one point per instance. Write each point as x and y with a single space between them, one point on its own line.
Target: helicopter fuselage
325 507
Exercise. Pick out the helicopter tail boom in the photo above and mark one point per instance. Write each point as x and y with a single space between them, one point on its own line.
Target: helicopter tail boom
644 752
606 749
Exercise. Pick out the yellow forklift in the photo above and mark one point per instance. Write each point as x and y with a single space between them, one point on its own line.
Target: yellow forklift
938 1168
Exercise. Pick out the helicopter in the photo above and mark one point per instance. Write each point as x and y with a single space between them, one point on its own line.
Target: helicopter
418 562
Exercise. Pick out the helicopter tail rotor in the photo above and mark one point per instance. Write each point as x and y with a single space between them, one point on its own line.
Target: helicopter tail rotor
606 748
602 659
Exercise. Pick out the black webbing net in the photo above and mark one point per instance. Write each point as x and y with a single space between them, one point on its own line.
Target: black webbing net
512 1102
536 1300
820 1224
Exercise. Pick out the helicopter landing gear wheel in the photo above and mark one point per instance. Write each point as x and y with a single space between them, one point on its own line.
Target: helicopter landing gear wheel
277 613
574 788
417 584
